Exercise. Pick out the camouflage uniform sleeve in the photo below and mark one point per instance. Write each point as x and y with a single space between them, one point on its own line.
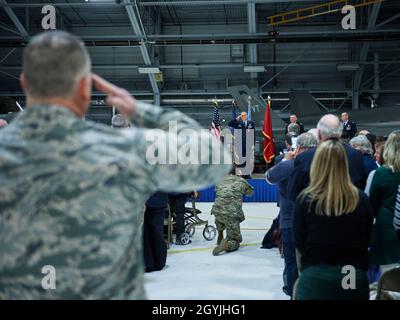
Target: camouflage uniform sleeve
165 137
248 189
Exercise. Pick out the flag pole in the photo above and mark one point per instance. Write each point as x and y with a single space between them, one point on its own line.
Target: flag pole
249 108
268 134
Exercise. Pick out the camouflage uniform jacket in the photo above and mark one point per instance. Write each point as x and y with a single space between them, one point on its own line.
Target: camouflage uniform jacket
72 194
229 195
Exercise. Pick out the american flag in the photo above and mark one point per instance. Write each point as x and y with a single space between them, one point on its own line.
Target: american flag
215 125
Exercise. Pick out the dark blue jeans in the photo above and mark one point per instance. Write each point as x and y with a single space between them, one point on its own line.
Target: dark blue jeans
290 273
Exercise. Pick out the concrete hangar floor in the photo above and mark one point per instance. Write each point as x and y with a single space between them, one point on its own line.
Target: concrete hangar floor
250 273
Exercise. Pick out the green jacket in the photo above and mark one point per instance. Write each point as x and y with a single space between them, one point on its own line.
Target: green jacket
385 245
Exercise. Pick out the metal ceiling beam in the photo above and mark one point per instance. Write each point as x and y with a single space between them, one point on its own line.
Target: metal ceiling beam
223 93
154 3
214 2
4 27
9 75
218 65
390 73
211 36
7 55
15 20
381 72
137 28
286 67
252 28
333 64
62 5
328 7
373 17
388 20
5 42
244 35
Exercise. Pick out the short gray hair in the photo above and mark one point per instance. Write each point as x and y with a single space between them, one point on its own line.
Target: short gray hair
53 62
119 121
314 132
361 143
329 127
363 132
307 140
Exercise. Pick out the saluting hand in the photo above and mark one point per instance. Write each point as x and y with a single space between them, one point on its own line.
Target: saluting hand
116 96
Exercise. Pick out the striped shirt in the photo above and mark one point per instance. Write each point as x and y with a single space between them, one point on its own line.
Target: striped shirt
396 220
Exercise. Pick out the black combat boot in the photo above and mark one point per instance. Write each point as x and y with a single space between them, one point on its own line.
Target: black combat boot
223 246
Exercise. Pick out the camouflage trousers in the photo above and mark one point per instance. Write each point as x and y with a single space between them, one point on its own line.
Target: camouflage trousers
232 227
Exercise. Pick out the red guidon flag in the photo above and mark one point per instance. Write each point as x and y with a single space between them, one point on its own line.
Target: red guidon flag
269 152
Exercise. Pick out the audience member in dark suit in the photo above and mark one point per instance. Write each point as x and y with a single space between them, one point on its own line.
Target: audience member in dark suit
279 174
362 144
279 148
154 246
328 128
349 128
293 119
287 147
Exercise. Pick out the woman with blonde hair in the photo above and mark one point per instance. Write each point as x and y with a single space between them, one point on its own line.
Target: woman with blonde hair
332 225
385 246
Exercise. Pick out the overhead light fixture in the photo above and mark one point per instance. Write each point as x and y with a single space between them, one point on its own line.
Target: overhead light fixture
348 67
254 69
149 70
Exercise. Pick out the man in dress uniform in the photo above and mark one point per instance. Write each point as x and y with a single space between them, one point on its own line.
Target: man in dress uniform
119 121
72 192
349 128
245 125
294 120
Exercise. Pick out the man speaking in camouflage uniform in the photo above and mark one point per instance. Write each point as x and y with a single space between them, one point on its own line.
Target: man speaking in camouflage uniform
72 192
228 212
